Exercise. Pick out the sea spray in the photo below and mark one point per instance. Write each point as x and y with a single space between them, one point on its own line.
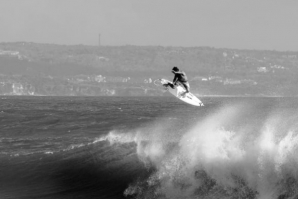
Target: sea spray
224 155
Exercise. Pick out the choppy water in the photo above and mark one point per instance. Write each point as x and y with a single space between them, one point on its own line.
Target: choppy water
157 147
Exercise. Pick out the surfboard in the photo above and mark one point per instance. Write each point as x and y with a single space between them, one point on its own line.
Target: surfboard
178 90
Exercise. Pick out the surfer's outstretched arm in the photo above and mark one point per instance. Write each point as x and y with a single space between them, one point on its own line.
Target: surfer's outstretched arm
175 79
178 72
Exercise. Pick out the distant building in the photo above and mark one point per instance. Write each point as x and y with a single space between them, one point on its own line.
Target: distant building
262 69
231 81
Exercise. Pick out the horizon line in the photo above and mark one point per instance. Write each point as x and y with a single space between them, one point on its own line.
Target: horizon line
165 46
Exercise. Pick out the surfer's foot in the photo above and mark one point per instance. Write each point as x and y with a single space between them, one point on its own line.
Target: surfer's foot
183 94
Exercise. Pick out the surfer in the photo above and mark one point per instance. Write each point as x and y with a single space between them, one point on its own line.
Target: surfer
180 76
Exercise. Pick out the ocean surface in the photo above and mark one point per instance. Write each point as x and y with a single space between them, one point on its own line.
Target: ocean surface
156 147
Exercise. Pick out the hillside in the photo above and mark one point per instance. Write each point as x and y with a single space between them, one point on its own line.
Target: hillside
49 69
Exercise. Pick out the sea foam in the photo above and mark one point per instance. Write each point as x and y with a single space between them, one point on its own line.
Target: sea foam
226 154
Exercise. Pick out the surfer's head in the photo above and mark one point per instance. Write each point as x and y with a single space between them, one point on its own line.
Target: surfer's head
175 68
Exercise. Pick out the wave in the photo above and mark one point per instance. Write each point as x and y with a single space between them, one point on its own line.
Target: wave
235 152
82 170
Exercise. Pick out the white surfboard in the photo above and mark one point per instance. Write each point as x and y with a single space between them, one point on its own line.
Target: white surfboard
178 90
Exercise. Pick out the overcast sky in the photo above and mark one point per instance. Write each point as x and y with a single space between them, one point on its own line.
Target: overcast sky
242 24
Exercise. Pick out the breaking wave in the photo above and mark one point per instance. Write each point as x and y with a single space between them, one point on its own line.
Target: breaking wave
235 152
227 150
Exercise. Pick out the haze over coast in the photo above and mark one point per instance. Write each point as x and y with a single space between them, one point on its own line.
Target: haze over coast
70 70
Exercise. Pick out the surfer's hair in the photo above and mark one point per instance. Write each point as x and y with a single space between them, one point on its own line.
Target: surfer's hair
175 68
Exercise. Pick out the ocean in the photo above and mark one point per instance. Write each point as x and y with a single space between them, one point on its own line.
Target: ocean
148 147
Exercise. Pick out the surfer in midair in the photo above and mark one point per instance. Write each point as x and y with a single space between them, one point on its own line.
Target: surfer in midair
180 76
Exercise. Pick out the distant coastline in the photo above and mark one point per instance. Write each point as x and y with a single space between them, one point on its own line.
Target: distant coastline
61 70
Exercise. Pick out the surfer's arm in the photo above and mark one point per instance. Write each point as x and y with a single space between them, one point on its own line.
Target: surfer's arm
178 72
175 79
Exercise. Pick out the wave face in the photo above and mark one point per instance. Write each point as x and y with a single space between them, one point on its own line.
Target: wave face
149 148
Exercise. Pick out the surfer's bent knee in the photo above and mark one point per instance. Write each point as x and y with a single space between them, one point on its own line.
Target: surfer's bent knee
187 87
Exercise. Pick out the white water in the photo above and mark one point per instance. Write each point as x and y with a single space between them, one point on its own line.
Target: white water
226 155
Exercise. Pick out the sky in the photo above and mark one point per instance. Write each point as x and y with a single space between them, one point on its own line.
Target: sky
240 24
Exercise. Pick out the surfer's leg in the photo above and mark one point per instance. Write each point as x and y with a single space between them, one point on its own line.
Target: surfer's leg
166 86
171 85
186 86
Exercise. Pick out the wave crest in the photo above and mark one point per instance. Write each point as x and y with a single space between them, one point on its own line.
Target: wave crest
236 151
